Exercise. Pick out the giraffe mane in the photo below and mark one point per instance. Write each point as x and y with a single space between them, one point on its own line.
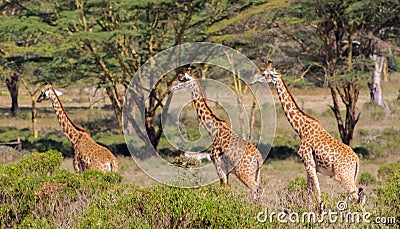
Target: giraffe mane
66 114
297 106
204 98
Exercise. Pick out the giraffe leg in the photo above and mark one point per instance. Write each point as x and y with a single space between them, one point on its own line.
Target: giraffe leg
306 154
250 175
349 183
219 166
77 164
312 173
257 189
223 177
310 189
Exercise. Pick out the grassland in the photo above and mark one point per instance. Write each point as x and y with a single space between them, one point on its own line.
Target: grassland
376 140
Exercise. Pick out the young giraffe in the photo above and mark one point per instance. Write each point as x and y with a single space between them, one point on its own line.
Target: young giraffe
230 153
319 151
88 154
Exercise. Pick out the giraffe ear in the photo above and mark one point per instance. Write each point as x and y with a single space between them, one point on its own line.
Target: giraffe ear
58 93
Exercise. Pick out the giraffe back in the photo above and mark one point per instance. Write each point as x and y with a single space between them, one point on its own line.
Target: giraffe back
94 156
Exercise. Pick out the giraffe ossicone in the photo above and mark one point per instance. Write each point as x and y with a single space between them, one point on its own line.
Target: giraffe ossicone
88 154
319 151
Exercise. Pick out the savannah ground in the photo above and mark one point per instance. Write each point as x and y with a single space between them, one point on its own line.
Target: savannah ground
375 140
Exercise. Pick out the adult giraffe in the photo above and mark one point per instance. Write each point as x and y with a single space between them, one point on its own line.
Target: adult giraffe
230 153
319 151
88 154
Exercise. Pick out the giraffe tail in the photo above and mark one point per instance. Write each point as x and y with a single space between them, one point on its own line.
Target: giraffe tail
112 167
361 193
356 172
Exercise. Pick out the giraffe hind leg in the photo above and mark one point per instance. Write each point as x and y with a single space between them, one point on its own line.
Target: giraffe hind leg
357 194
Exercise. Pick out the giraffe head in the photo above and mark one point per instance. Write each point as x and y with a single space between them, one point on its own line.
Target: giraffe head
182 81
267 75
47 93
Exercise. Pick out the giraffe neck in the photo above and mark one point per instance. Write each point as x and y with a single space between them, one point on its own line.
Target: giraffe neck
206 116
71 131
296 117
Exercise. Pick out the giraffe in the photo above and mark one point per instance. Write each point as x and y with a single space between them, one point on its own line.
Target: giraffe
319 151
230 153
88 154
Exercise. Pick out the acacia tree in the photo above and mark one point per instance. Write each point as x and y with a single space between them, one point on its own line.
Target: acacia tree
380 40
108 41
328 41
22 31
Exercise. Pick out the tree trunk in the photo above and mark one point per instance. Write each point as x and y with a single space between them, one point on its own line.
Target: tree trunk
116 106
150 116
12 83
375 82
349 97
34 117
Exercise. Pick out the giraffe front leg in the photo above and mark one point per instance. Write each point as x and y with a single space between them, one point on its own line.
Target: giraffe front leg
223 177
217 160
310 188
314 183
306 154
77 165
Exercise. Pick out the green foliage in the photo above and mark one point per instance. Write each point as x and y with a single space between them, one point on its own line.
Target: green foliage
376 145
388 195
41 163
169 207
296 185
387 170
54 198
292 81
36 192
367 178
284 147
294 195
10 134
396 60
31 222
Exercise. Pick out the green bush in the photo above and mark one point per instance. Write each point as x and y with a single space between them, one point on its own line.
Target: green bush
367 178
388 195
35 192
294 195
378 145
285 146
386 170
169 207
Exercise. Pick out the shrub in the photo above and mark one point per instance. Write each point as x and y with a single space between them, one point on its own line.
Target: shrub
386 170
169 207
285 146
378 145
294 195
36 193
367 178
388 195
